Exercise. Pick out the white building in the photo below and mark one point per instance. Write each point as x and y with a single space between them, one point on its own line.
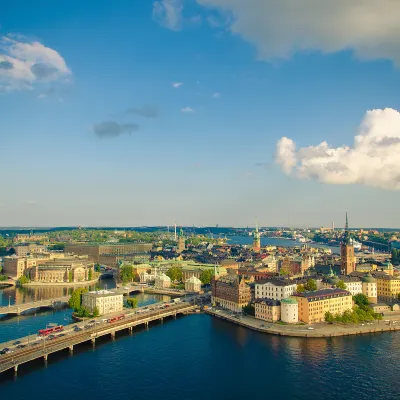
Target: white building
146 277
353 284
105 301
193 284
162 282
275 289
289 311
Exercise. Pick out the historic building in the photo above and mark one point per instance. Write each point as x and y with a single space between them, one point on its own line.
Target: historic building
31 237
276 289
162 282
23 250
314 305
267 310
347 257
104 300
15 267
230 292
388 287
296 265
256 240
193 284
290 310
181 242
370 288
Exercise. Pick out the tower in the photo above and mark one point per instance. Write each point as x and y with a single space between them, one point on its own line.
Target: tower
181 242
347 258
256 240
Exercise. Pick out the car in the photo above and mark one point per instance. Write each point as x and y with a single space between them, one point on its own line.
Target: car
310 329
51 337
93 321
262 326
7 351
17 342
21 346
77 329
61 335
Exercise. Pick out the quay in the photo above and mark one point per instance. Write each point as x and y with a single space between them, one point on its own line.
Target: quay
18 309
43 348
321 330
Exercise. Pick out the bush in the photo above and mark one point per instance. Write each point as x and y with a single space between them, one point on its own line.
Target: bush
23 280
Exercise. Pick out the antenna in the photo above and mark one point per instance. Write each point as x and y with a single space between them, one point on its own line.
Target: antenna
175 231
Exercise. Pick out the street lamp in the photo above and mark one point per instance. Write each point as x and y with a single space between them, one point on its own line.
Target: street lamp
9 301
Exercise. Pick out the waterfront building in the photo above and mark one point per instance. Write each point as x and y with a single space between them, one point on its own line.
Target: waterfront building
230 292
348 260
162 282
267 310
276 289
314 305
388 287
369 288
15 267
290 310
257 240
104 300
193 284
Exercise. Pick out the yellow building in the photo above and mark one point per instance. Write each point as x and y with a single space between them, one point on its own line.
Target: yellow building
314 305
388 287
268 310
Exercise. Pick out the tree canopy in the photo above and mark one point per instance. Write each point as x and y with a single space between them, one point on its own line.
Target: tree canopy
75 301
341 285
206 276
311 285
132 302
126 273
175 273
361 299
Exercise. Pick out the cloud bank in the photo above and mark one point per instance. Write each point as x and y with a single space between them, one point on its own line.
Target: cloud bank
279 28
373 160
168 13
24 64
109 129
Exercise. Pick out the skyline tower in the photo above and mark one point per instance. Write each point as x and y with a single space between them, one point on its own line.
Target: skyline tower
181 241
347 257
256 240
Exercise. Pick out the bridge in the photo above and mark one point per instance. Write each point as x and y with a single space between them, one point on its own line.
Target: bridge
126 290
34 349
17 309
8 282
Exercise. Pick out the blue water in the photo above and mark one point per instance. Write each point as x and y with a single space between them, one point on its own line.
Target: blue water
199 357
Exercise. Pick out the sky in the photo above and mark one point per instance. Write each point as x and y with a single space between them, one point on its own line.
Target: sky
200 112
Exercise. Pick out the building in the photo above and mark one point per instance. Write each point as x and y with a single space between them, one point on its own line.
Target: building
196 270
230 292
14 266
275 289
290 310
193 284
31 237
369 288
94 251
267 310
181 242
347 257
162 282
388 287
314 305
24 250
256 240
104 300
353 283
297 265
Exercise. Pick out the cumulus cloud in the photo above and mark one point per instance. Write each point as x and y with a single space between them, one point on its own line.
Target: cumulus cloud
168 13
373 160
144 111
176 85
216 95
279 28
24 64
109 129
187 110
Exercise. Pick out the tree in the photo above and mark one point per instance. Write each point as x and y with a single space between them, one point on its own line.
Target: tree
249 310
361 300
300 288
23 279
284 271
96 312
341 285
126 273
329 317
3 278
175 274
206 276
82 312
97 267
310 286
90 275
75 301
132 302
70 276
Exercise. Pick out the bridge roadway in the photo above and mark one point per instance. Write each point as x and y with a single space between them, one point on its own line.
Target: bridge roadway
38 350
20 308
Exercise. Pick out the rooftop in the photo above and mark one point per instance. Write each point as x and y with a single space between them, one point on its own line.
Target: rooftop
323 294
276 282
101 293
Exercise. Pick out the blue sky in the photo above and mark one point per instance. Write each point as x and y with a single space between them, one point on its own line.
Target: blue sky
93 131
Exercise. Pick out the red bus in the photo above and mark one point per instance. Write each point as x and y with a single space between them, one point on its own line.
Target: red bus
48 331
115 319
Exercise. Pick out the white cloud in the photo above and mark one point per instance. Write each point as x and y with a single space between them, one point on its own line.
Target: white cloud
187 110
23 64
216 95
176 85
168 13
373 160
279 28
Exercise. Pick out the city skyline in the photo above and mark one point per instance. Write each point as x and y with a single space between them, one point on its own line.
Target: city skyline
201 112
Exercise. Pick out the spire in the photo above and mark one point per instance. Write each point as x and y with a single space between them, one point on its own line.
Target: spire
346 236
347 223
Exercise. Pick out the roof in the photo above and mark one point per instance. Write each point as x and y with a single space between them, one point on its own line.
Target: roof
322 294
101 293
276 282
289 300
268 302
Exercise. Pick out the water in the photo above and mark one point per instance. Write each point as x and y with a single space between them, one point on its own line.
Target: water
197 357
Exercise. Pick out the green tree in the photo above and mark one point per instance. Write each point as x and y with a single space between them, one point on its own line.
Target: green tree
97 267
90 275
3 278
329 317
341 285
96 312
249 310
395 256
175 274
311 285
206 276
284 271
132 302
82 312
126 273
70 276
22 280
75 301
361 300
300 288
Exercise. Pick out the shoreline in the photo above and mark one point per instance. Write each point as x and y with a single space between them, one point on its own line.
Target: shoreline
42 284
322 331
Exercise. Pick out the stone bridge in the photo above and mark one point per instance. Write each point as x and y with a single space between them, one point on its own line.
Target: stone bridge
17 309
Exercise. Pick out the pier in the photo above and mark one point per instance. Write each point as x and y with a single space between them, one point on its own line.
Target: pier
41 349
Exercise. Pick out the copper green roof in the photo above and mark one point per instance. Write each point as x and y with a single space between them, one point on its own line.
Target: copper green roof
289 300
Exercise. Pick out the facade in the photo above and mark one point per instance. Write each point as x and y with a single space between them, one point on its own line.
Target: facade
297 266
388 287
370 288
193 284
267 310
104 300
275 289
347 257
314 305
290 310
230 292
162 282
23 250
15 267
353 284
26 238
196 269
181 242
